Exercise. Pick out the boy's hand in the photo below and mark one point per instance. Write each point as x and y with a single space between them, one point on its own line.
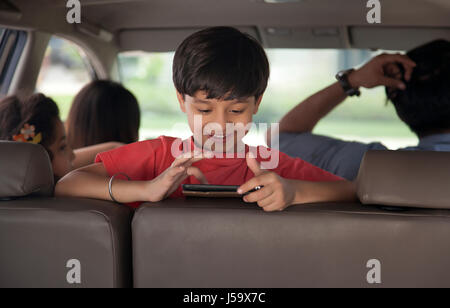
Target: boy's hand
169 181
376 72
276 195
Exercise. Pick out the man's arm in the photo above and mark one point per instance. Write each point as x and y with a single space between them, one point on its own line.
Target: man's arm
304 117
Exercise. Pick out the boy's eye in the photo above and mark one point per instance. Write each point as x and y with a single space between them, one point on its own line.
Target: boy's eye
237 111
204 111
63 147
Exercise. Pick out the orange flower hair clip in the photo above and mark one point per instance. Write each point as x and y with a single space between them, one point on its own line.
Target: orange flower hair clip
28 135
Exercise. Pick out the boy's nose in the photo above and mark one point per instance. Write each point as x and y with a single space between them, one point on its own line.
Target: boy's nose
221 123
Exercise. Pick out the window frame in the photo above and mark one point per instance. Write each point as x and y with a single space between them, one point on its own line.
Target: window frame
12 46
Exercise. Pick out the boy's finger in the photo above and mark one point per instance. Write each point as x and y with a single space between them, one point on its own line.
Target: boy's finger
180 161
249 185
259 195
176 184
189 163
196 159
184 173
186 161
176 171
261 180
191 154
274 207
194 171
268 202
253 165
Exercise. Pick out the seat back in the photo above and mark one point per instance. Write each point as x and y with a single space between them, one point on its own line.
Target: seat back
54 242
25 170
230 244
405 179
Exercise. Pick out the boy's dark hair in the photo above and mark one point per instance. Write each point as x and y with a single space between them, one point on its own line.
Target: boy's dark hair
37 110
103 111
222 61
425 104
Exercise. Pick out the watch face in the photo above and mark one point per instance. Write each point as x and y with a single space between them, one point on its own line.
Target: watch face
339 75
343 73
342 77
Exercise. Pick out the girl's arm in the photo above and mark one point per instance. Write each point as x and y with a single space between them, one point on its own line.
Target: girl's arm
86 156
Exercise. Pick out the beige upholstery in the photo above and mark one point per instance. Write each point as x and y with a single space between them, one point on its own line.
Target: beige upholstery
40 235
405 179
25 169
227 243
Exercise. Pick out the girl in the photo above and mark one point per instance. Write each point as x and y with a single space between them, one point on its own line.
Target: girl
103 111
36 120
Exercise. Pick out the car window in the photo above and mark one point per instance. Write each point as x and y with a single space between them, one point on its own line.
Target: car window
12 44
295 75
64 71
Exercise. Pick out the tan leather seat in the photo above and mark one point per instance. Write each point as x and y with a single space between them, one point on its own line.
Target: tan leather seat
227 243
221 242
41 237
405 179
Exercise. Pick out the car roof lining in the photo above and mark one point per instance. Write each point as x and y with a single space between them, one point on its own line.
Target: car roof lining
160 25
112 26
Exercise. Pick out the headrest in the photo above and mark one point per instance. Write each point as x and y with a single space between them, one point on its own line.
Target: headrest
25 169
405 179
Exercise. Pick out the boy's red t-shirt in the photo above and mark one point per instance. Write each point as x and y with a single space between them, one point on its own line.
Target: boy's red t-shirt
146 160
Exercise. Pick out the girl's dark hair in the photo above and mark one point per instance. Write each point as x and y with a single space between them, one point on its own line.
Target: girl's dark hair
37 110
222 61
103 111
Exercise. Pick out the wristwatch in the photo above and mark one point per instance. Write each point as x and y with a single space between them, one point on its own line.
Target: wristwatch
342 77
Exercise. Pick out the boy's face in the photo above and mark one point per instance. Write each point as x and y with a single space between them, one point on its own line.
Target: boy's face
214 121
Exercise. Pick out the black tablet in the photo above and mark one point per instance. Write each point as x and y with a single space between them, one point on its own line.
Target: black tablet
213 191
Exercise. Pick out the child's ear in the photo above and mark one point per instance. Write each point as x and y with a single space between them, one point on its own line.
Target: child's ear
180 98
258 102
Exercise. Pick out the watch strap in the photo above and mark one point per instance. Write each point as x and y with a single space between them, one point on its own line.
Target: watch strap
342 77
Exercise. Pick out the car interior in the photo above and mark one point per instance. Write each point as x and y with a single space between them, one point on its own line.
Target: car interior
401 219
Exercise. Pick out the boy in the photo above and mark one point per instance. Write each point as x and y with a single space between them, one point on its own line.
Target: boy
220 75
